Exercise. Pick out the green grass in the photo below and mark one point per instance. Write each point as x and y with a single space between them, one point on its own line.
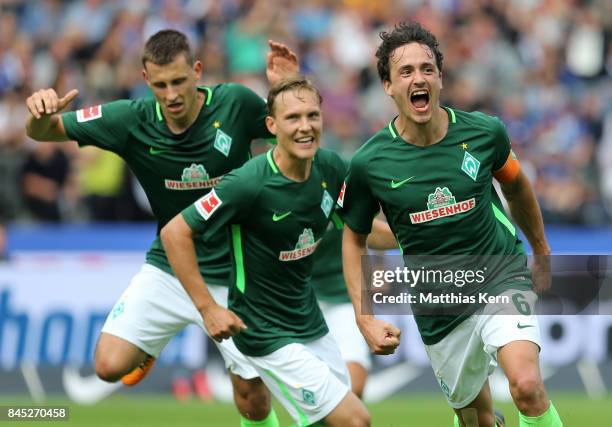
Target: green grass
417 410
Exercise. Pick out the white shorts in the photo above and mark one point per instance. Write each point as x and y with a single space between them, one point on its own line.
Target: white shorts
463 360
155 307
340 319
309 379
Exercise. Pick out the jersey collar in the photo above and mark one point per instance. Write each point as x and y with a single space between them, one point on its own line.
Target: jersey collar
274 166
451 115
452 118
207 93
271 161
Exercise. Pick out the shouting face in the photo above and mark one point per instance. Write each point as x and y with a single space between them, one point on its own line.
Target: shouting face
415 82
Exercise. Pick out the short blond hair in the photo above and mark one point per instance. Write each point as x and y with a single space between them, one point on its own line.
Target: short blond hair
297 82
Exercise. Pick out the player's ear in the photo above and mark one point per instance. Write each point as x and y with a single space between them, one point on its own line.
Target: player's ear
387 87
197 69
145 76
271 125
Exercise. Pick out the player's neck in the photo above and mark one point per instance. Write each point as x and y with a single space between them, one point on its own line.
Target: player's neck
292 167
181 125
423 134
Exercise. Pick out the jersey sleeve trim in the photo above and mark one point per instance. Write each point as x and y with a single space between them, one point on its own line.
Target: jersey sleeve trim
509 170
338 223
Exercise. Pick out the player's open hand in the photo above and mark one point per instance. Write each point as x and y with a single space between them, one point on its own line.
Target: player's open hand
382 337
46 102
222 323
541 274
282 62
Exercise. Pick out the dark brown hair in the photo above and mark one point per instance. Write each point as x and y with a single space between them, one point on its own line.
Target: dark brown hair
163 46
404 33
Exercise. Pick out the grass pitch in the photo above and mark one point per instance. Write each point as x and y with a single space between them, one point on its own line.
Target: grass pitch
412 410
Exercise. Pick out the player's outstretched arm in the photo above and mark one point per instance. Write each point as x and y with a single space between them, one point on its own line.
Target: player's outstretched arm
282 62
44 123
526 212
382 337
381 238
177 238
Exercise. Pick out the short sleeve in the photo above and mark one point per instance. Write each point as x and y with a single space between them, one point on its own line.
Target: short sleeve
502 143
357 203
105 126
225 204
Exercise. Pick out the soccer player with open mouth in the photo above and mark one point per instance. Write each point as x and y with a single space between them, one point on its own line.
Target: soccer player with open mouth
431 171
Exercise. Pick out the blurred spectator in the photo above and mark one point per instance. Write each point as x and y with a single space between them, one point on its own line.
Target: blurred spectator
44 175
12 116
12 69
42 20
312 20
586 45
86 24
543 66
101 177
5 215
3 242
246 40
171 15
605 160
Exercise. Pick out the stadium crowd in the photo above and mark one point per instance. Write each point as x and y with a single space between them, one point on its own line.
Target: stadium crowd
542 66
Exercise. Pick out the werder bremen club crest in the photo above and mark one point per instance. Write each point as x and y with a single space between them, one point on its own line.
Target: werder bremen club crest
223 142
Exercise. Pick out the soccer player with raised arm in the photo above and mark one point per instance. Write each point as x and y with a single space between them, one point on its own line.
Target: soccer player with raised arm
275 210
179 144
431 171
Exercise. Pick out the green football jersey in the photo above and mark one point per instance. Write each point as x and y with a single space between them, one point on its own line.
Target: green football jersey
274 226
439 200
177 169
327 278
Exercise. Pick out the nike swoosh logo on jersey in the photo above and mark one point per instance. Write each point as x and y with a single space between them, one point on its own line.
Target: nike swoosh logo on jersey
518 325
155 152
398 184
277 217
